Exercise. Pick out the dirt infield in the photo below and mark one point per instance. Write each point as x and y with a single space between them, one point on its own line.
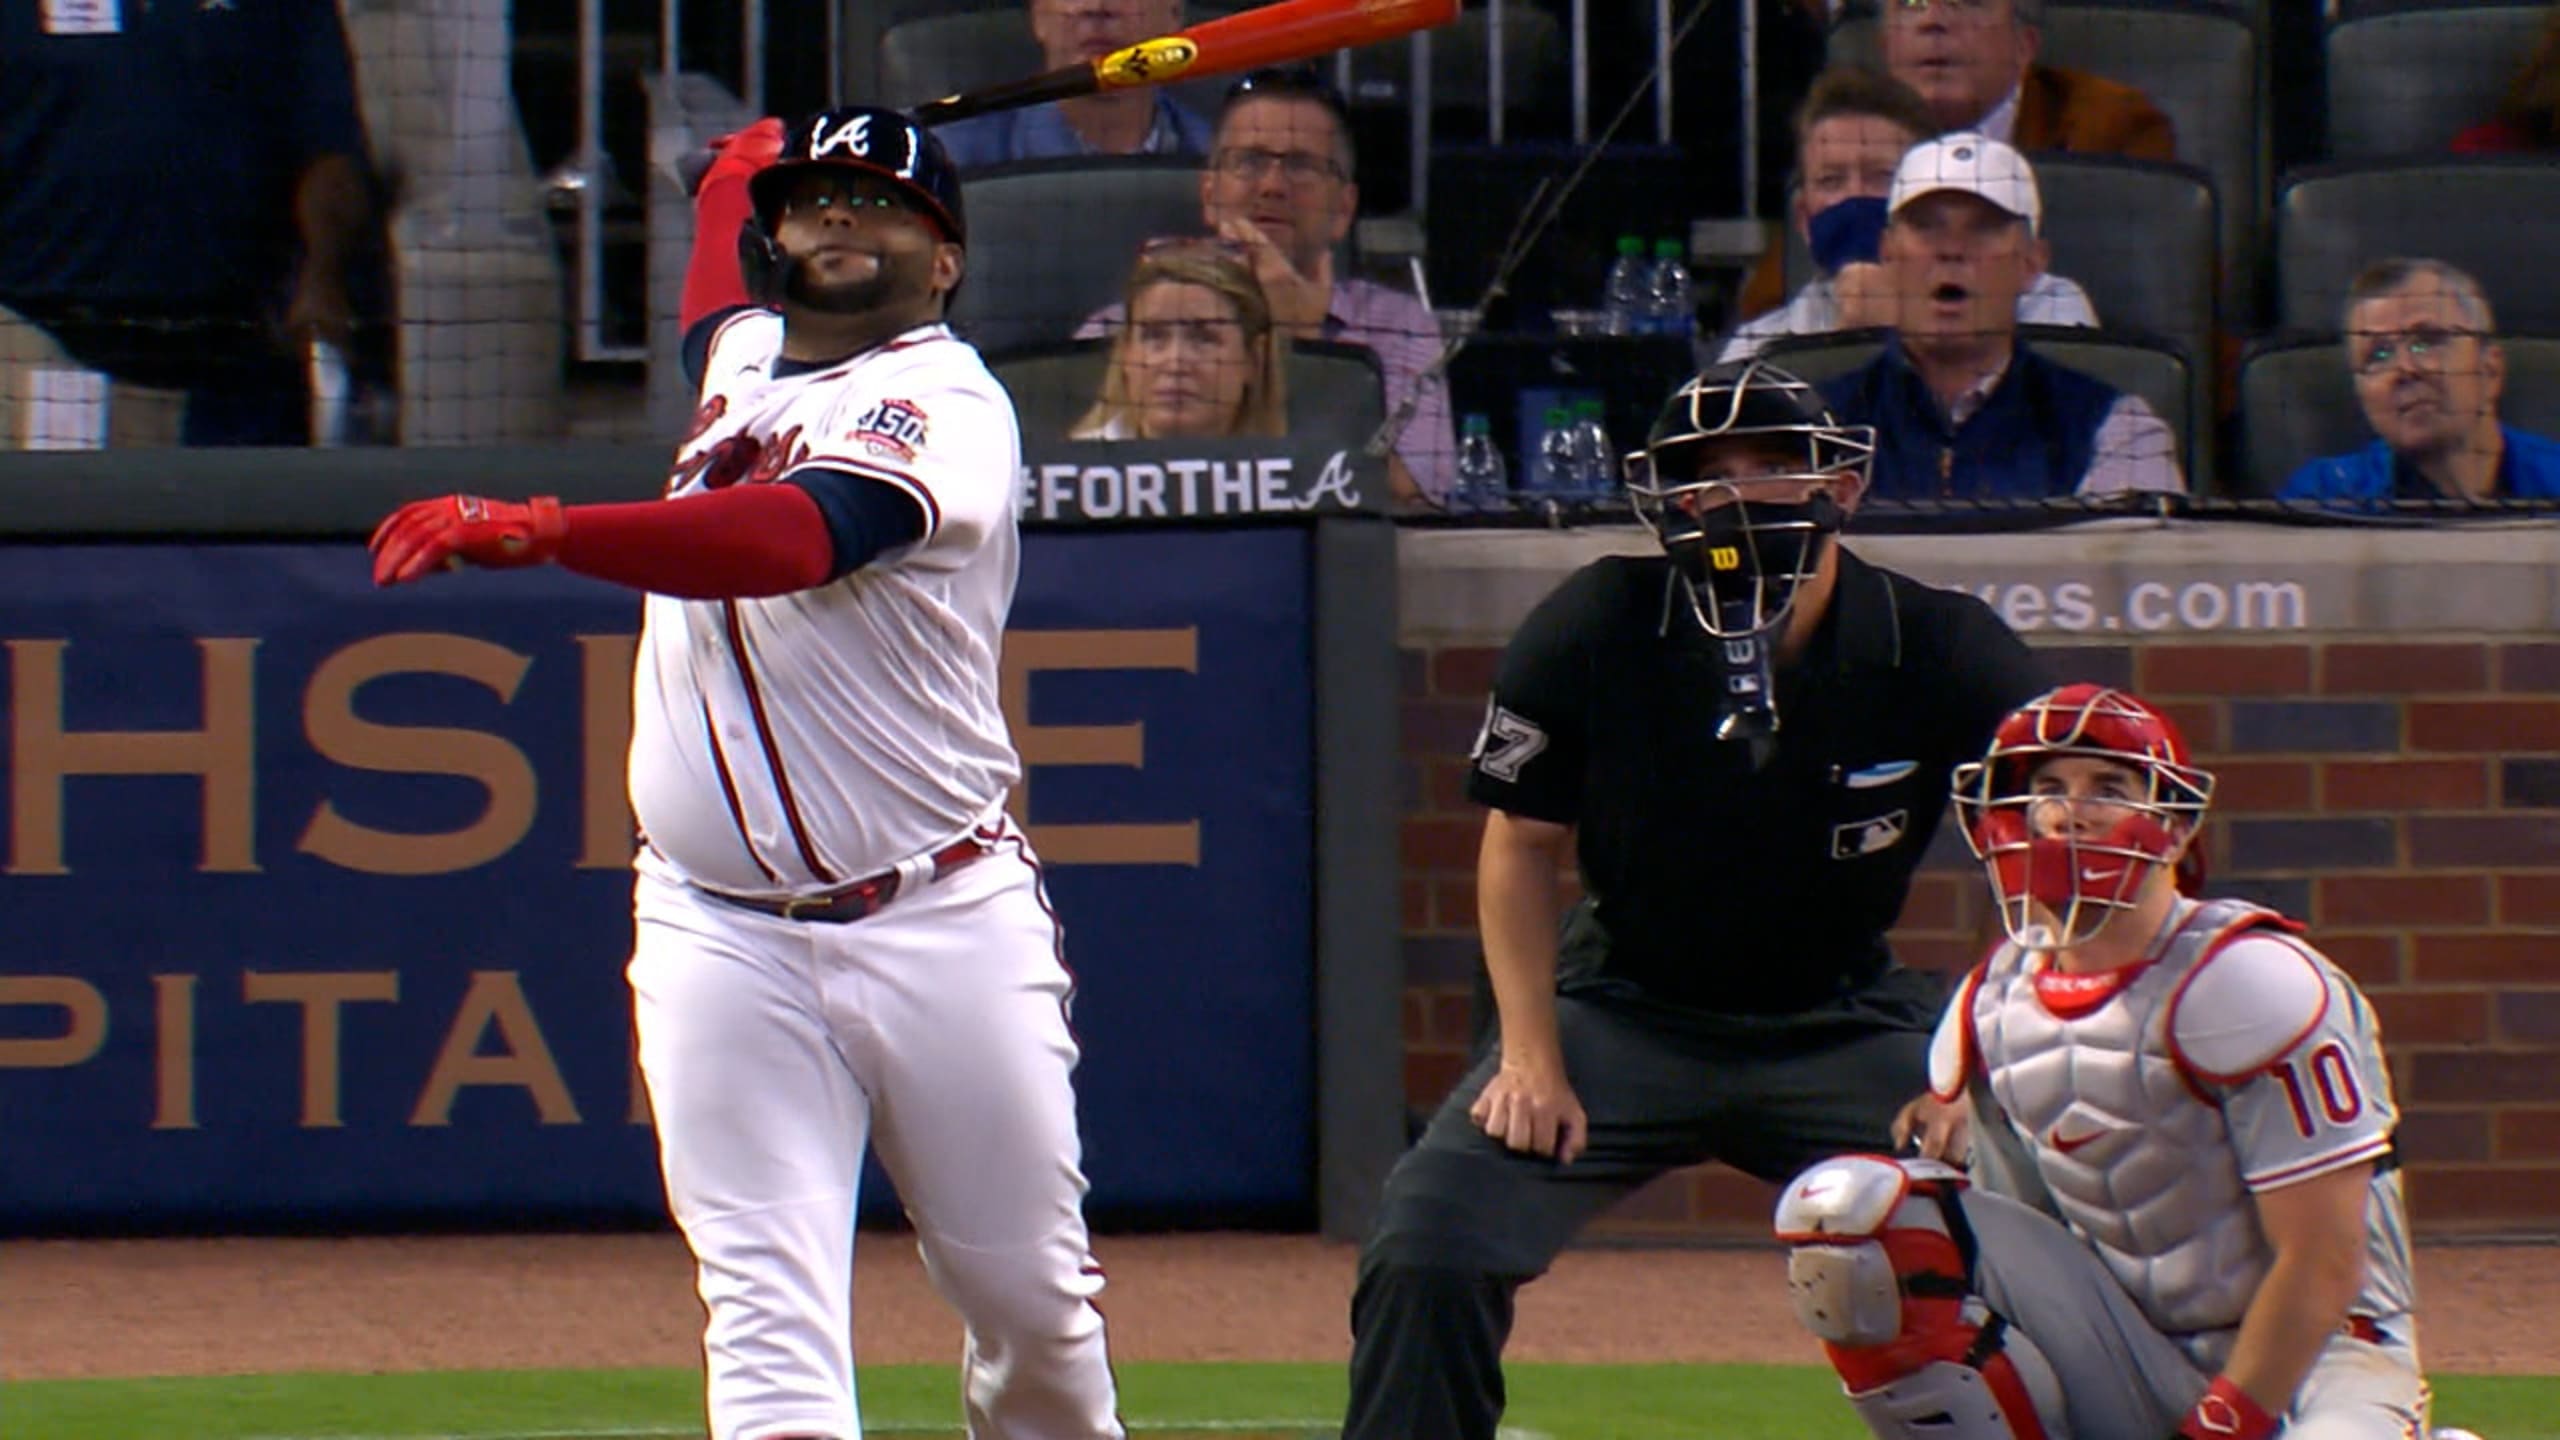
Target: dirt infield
94 1308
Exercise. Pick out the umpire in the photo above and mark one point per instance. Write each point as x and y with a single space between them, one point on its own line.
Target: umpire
1746 743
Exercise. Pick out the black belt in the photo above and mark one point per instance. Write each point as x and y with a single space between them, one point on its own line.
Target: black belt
846 904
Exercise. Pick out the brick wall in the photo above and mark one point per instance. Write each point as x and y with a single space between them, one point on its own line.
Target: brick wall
2402 797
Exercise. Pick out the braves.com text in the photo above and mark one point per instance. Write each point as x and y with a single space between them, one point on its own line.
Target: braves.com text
2148 606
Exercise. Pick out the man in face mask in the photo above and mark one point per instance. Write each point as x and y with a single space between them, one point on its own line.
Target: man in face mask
1851 134
1742 743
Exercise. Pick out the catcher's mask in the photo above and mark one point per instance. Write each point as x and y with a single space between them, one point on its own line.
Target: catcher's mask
867 138
2067 854
1742 542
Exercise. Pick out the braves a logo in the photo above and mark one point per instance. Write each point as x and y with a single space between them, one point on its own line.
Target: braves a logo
852 137
891 428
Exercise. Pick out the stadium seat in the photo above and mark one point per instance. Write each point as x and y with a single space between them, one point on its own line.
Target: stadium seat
2497 218
2405 79
1051 241
2134 365
1534 48
2200 62
477 277
931 56
1337 395
2298 403
925 50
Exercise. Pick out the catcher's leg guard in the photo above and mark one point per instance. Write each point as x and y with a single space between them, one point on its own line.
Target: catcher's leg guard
1881 1271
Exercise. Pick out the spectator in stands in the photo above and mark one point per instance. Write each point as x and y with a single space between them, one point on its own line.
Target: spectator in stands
2428 373
2528 119
1280 182
1851 134
171 236
1199 355
1974 62
1960 407
1146 121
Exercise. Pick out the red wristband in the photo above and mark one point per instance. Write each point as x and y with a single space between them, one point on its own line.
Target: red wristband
2227 1413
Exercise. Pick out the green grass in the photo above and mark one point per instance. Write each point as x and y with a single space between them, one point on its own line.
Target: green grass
1570 1402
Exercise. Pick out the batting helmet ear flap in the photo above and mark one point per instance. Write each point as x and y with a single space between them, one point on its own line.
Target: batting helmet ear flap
761 262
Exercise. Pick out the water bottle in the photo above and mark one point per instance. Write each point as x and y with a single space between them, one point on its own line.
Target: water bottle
1627 293
1671 298
1596 461
1484 481
1559 459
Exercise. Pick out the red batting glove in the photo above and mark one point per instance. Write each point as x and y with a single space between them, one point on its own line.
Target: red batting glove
440 534
2226 1413
744 152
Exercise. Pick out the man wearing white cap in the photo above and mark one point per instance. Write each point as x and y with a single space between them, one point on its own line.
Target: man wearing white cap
1961 409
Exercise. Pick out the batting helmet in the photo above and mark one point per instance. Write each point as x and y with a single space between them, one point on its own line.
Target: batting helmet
867 138
2080 874
1744 556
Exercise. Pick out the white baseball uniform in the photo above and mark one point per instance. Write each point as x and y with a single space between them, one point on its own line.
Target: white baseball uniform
818 744
2143 1117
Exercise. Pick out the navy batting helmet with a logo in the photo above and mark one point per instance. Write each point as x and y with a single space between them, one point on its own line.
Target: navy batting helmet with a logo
868 138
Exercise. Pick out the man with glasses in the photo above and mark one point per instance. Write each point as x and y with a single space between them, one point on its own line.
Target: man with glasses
1148 121
2429 374
1280 183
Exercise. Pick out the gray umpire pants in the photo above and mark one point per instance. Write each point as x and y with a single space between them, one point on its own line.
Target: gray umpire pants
1465 1222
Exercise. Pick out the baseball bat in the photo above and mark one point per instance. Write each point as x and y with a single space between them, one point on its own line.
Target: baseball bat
1267 35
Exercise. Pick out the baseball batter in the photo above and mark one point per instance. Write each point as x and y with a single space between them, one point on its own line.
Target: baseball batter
2184 1212
841 940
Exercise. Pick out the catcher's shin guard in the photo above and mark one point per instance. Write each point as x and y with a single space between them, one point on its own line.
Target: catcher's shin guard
1881 1271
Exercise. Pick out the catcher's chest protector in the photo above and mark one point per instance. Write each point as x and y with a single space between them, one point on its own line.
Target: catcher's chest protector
2136 1157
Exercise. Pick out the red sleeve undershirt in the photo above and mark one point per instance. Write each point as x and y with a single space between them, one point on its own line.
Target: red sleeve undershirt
747 540
720 211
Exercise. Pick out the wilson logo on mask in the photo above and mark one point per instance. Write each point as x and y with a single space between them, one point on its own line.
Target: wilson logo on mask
1725 557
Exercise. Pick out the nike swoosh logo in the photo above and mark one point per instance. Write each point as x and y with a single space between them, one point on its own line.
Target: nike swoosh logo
2067 1144
2097 877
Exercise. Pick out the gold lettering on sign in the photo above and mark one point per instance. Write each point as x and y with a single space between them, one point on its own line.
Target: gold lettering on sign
175 1007
329 718
604 671
43 754
1026 654
495 998
84 1027
320 993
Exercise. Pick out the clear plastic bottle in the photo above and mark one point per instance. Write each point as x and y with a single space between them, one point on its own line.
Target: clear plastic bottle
1484 480
1596 462
1671 296
1626 295
1559 459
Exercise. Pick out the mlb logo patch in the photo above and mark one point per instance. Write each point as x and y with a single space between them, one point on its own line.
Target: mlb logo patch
893 428
1866 837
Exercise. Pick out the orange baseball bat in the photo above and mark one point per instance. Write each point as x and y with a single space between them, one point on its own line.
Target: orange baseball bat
1279 34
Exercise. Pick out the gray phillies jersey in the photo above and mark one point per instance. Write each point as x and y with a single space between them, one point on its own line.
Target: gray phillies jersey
2237 1060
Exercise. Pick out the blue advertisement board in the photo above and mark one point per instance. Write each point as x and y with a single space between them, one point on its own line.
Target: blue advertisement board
316 897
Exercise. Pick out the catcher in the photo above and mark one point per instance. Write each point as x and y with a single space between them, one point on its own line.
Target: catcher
2183 1216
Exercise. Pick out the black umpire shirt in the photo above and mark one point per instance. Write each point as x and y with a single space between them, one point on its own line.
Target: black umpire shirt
1717 888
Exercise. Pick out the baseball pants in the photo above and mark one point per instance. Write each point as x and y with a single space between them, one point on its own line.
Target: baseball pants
2126 1381
1465 1222
935 1030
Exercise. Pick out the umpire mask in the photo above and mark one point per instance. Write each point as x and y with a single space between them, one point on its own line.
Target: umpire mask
1736 481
